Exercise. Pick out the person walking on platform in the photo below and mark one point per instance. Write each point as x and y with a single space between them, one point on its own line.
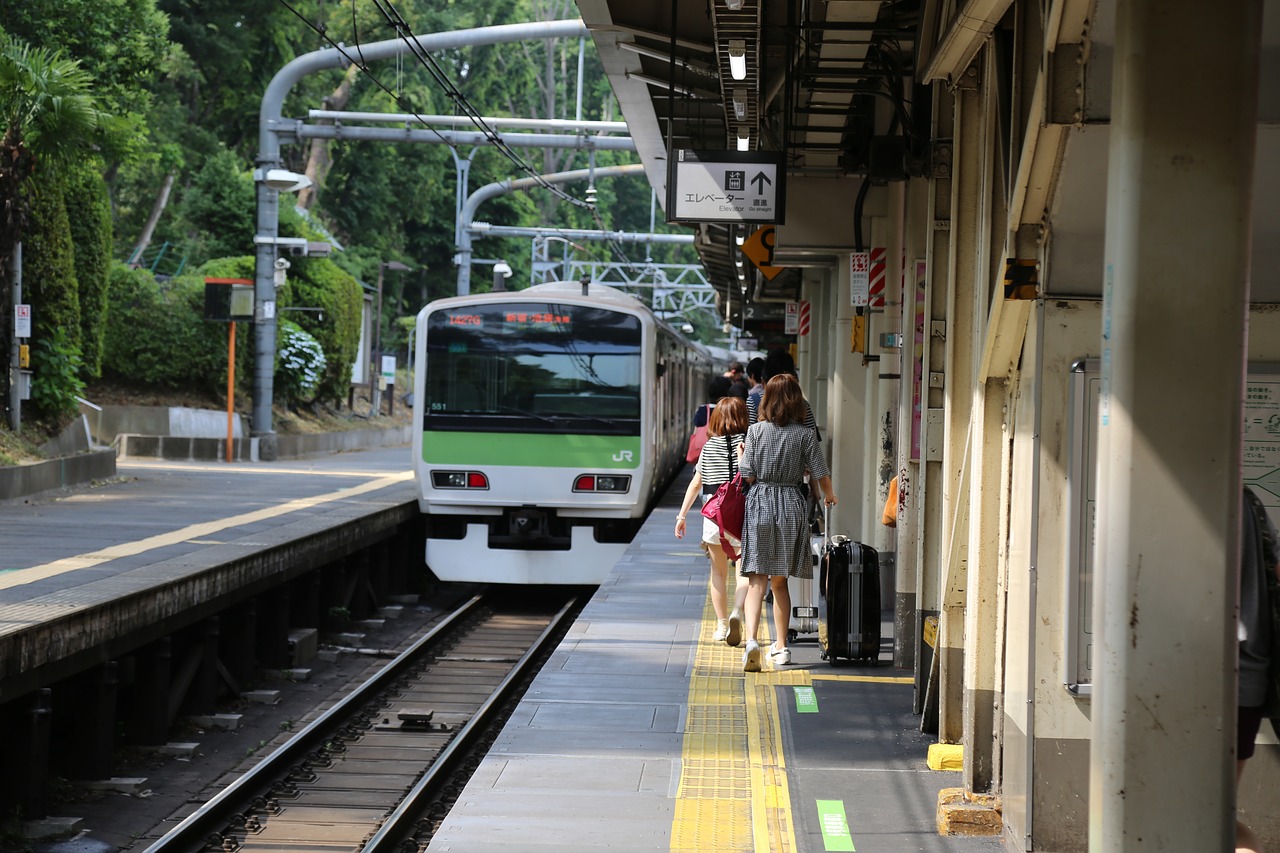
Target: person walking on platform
778 451
717 464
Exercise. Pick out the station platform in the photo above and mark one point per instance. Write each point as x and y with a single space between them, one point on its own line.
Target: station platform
171 538
642 734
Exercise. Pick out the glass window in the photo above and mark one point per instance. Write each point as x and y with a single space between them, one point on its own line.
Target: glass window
523 367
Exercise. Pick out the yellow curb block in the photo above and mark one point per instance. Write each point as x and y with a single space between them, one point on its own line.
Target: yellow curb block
946 756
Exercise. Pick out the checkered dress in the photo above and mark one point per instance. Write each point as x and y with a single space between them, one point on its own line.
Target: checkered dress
775 534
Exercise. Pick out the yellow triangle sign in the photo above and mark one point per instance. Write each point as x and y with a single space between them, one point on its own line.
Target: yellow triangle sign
759 250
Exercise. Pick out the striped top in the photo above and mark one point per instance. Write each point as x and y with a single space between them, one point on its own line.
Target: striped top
753 414
719 460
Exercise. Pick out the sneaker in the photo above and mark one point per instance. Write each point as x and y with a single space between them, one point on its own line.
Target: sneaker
751 657
780 656
734 635
722 630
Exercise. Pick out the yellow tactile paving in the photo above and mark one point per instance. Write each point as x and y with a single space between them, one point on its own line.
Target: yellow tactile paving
733 792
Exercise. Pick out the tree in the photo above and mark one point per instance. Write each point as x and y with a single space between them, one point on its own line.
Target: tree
47 114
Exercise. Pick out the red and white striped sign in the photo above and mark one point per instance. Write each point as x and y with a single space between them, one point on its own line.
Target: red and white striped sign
804 318
875 291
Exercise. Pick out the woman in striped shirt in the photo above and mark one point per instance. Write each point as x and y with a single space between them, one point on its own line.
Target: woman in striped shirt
718 463
778 451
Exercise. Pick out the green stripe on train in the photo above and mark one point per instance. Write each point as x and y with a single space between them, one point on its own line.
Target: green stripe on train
531 449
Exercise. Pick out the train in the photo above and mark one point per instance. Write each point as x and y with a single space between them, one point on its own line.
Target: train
548 421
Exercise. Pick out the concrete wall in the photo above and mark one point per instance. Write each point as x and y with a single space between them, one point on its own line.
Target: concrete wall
25 480
163 420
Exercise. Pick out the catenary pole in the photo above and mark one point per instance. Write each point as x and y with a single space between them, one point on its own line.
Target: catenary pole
271 125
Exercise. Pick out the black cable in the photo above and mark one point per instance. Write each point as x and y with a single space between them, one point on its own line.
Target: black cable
399 101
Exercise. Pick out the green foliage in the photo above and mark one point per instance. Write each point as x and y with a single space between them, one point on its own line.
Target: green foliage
300 365
320 283
89 215
55 376
158 335
48 265
185 82
46 101
121 43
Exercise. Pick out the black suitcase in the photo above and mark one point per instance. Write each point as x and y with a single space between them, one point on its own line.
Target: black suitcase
849 602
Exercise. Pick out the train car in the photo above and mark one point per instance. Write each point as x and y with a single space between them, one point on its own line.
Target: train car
548 422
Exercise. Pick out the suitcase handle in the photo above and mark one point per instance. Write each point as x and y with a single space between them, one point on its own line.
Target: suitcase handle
826 526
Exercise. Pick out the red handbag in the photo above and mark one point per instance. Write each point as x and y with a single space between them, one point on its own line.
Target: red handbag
728 508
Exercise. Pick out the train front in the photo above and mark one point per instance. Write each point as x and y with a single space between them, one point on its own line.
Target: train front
531 458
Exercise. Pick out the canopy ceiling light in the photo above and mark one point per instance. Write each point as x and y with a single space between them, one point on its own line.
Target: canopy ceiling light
744 140
740 102
733 5
738 59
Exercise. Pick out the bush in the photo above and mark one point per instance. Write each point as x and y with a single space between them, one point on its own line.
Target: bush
55 377
48 264
300 364
320 283
89 215
158 335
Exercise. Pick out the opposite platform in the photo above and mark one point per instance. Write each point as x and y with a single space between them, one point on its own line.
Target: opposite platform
642 734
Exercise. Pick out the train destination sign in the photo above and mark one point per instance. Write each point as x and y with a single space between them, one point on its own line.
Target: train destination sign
725 186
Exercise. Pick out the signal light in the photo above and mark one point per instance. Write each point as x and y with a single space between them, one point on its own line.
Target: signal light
459 480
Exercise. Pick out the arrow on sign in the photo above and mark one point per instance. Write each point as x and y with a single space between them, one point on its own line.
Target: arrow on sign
761 179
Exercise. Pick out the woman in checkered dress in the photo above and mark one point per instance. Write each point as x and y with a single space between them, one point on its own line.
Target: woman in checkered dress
780 448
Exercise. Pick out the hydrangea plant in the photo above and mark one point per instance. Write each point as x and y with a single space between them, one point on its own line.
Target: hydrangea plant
301 364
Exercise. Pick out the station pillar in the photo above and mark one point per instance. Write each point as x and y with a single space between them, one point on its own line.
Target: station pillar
1175 299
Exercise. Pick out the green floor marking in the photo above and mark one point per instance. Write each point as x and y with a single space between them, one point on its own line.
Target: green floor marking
835 828
806 700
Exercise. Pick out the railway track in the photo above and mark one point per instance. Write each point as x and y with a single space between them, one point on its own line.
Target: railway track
362 776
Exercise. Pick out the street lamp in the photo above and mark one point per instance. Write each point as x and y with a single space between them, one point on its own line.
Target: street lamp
501 272
376 396
267 244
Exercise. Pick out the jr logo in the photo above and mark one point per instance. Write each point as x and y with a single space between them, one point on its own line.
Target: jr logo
622 456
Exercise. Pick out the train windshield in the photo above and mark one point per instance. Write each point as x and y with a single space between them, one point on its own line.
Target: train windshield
525 367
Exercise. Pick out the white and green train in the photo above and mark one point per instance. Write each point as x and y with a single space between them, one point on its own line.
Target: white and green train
549 421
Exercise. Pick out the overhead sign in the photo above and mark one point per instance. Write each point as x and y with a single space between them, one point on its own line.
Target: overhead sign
725 186
759 250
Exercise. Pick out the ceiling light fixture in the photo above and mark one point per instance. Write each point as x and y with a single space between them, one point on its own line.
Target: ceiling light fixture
740 102
744 141
738 59
733 5
740 238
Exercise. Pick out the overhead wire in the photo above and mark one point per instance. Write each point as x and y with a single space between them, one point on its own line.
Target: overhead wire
405 33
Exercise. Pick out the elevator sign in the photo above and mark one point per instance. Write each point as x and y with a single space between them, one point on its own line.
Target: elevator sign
725 186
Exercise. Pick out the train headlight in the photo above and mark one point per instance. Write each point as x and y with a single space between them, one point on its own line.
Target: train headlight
602 483
459 480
